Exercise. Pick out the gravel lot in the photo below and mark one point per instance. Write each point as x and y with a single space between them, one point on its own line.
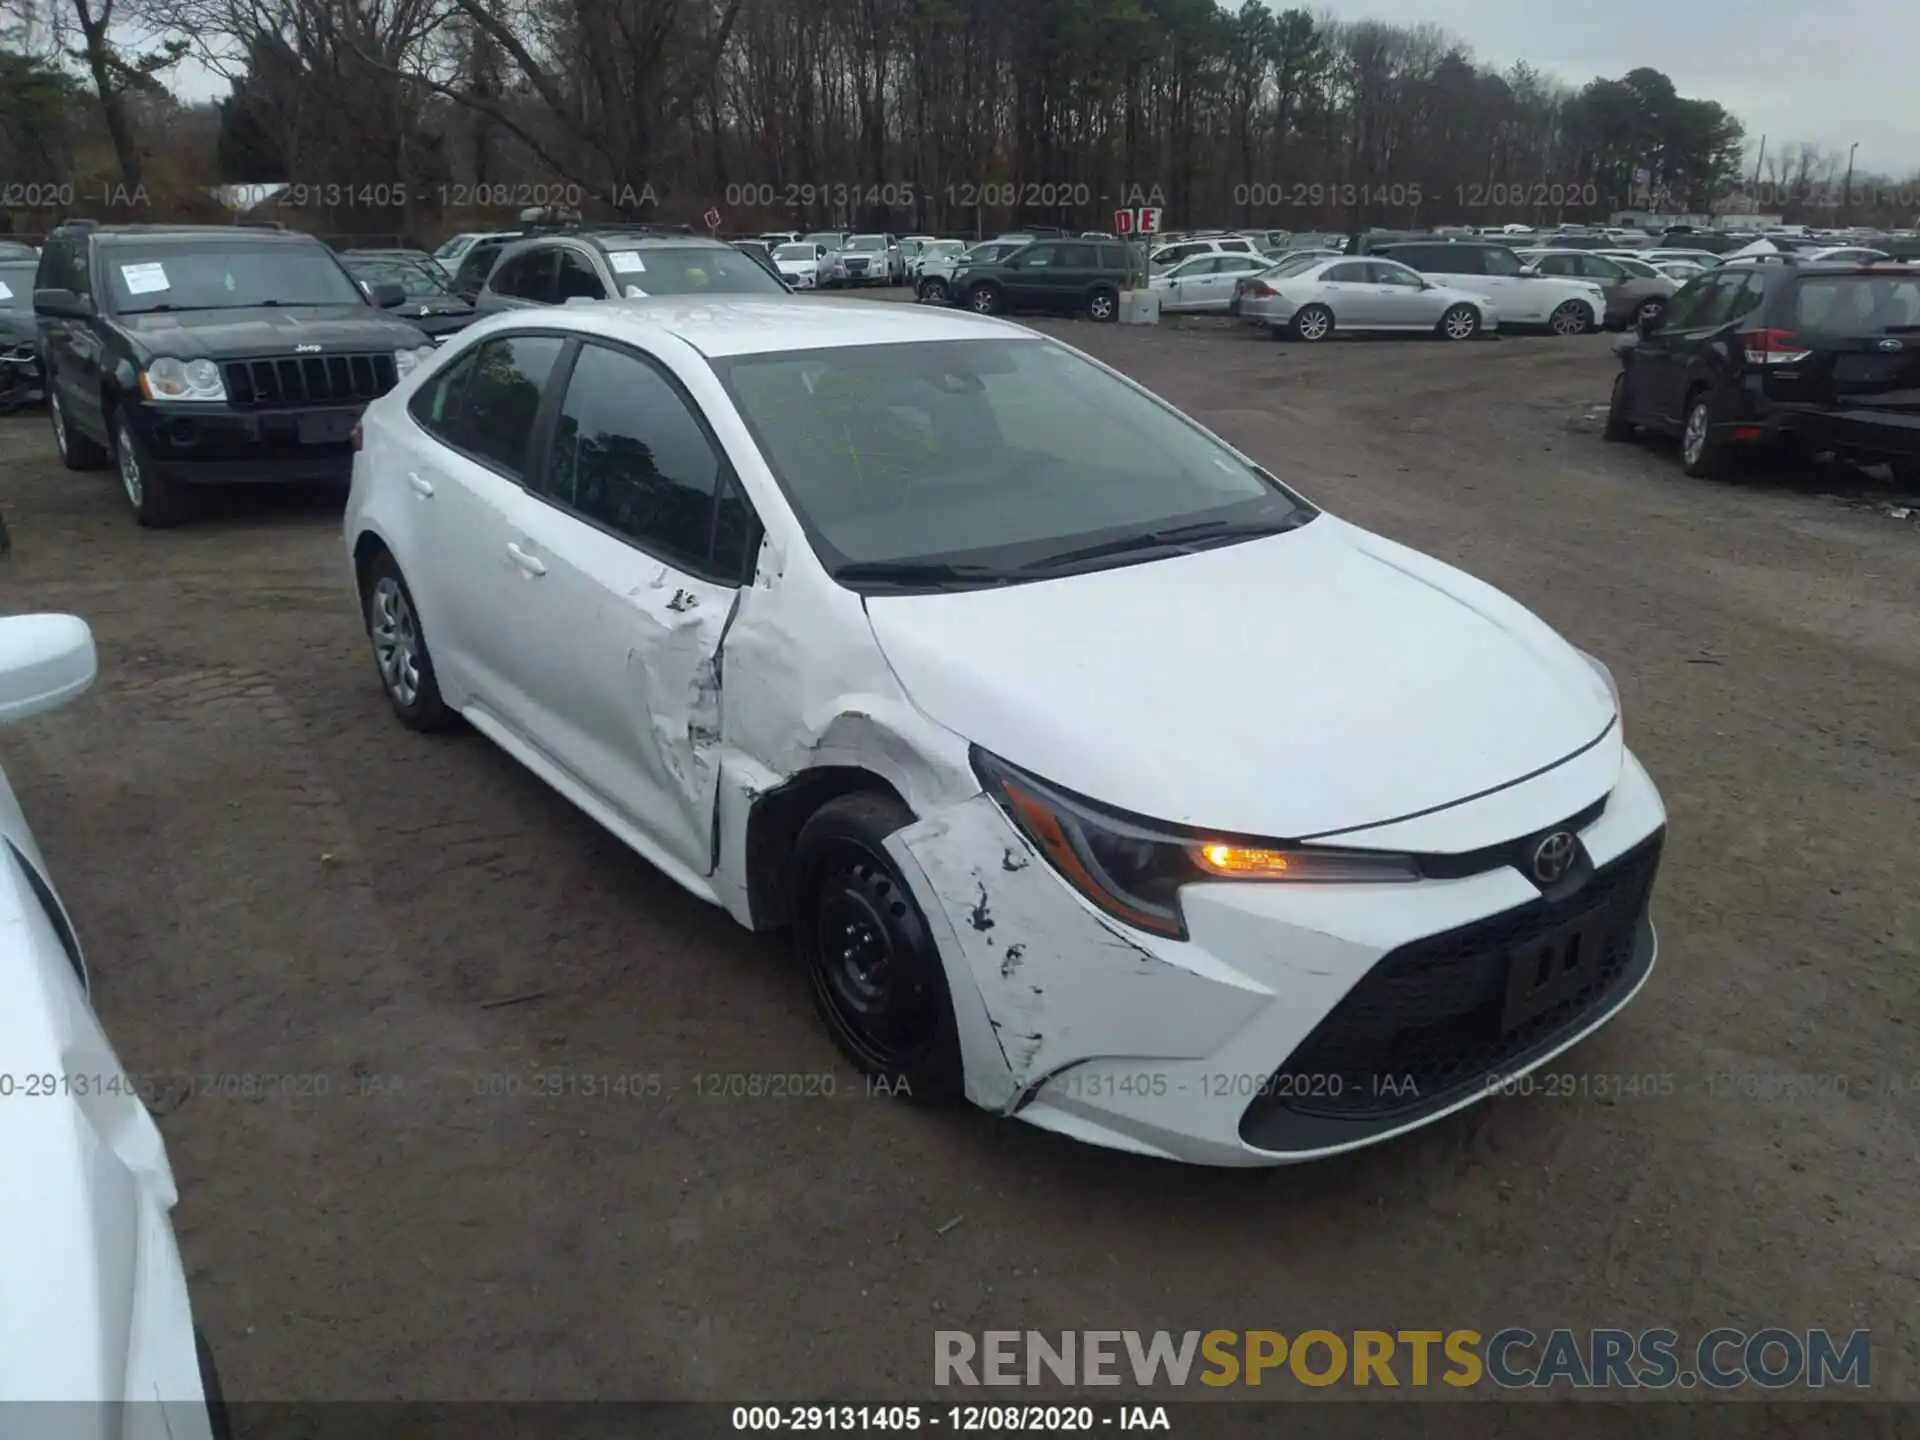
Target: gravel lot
272 876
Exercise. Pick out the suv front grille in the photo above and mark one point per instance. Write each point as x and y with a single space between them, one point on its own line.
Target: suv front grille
1427 1024
310 379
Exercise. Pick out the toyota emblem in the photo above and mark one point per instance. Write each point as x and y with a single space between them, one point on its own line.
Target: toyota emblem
1553 856
1891 344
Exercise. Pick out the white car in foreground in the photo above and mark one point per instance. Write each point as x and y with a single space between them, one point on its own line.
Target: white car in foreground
926 636
95 1311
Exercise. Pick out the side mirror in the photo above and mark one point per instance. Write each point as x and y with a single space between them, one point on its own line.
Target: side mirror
45 661
63 303
1529 269
389 293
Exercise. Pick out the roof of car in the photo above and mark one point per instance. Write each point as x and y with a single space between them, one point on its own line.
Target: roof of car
211 234
727 325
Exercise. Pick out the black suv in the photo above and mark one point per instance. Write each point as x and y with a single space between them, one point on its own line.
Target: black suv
1057 275
203 355
1780 352
600 264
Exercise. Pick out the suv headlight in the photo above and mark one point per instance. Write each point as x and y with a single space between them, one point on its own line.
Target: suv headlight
166 378
406 361
1133 869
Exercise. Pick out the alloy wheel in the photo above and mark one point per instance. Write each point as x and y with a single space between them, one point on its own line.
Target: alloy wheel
396 640
1461 324
1694 441
1570 319
1100 307
1314 324
128 463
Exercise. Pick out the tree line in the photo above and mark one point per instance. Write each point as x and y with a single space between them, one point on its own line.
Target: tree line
414 117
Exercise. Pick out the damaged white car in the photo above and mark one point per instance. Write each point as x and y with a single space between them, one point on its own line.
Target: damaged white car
1100 777
96 1329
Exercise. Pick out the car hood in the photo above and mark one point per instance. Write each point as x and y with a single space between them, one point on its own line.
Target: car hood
1306 683
269 330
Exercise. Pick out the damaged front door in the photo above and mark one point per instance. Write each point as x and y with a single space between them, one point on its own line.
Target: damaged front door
639 550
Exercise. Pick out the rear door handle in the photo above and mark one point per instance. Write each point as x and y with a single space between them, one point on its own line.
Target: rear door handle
421 485
529 563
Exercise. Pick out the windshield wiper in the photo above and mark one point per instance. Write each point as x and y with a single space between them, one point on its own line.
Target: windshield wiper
920 572
1174 539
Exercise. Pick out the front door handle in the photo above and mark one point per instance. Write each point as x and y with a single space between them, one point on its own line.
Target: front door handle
421 485
529 563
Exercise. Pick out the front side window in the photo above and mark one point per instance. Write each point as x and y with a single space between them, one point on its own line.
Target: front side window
1000 453
1494 260
143 279
1385 272
1076 257
629 455
1038 257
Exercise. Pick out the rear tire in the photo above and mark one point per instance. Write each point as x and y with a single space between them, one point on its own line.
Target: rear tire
874 970
1103 306
1312 323
77 452
400 653
1703 454
1618 427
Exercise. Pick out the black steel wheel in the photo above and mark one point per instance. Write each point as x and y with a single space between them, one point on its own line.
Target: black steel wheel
874 970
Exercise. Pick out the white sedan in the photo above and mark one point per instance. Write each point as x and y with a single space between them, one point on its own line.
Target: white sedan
96 1311
921 635
1313 299
798 263
1205 283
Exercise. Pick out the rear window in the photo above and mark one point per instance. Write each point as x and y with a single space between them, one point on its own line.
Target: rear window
1857 304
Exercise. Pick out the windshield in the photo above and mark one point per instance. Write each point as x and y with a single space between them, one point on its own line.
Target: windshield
1003 454
16 287
414 278
453 247
1858 304
866 242
796 252
823 237
227 276
946 247
690 270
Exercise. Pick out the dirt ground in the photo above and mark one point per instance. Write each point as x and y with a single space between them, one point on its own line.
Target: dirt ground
272 877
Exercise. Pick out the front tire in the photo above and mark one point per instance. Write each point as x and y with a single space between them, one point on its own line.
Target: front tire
1462 322
933 290
872 966
400 651
77 452
159 503
1571 318
1312 323
1103 306
984 299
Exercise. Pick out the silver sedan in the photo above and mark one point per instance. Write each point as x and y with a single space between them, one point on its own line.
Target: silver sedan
1311 298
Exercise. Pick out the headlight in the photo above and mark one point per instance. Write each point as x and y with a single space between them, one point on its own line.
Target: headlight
1133 869
406 361
170 379
1613 686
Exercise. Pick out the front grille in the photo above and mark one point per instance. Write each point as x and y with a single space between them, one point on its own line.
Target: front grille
310 379
1427 1023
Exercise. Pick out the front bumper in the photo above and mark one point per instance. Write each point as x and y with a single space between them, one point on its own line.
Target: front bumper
1297 1021
211 444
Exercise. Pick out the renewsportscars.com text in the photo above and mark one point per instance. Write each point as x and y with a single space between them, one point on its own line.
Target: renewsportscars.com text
1514 1358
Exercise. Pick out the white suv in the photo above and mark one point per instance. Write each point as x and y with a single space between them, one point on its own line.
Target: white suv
1564 306
1186 249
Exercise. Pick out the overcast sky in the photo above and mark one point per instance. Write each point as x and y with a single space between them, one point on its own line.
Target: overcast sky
1825 72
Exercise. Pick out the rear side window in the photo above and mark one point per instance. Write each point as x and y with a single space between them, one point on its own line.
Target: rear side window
1857 304
1354 273
490 412
1077 257
575 279
1113 257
